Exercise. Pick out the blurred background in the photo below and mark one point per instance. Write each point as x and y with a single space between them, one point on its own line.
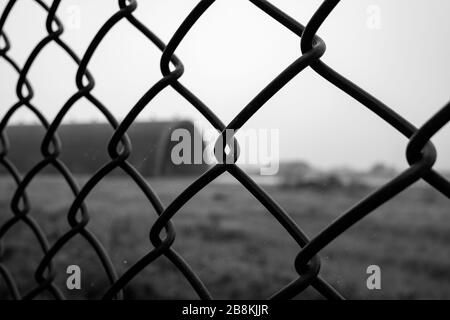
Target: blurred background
332 152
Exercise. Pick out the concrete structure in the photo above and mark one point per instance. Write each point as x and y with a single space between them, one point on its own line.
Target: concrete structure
84 147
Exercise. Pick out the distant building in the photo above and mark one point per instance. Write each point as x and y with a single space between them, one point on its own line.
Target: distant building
84 147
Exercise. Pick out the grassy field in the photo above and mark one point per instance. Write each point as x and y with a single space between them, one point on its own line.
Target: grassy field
234 244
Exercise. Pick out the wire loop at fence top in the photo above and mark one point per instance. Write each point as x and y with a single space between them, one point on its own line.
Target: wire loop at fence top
420 153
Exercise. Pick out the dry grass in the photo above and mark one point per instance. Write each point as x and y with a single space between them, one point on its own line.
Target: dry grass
235 245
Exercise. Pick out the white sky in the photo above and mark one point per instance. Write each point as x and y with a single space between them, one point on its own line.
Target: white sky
235 50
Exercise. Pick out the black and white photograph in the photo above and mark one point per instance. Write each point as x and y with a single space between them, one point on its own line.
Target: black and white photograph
244 151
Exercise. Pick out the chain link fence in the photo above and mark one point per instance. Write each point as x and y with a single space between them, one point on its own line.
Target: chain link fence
420 153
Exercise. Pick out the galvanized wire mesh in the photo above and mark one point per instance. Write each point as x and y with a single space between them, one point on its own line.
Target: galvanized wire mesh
420 153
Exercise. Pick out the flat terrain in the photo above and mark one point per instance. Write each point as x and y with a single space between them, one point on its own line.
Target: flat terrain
235 245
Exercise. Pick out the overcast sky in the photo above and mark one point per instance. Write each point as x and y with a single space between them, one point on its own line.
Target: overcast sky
235 50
